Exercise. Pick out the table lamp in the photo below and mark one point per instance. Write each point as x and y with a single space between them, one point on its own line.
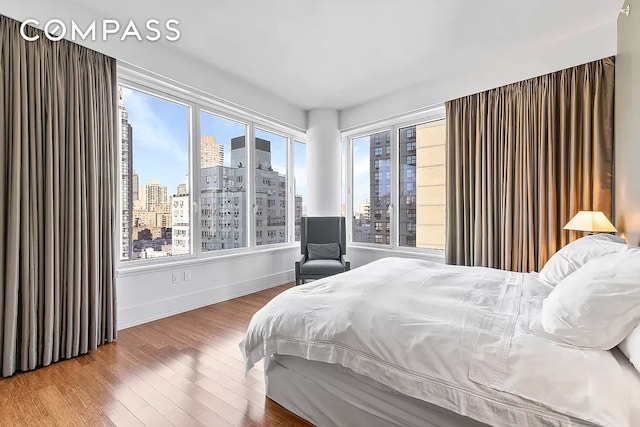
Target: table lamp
591 221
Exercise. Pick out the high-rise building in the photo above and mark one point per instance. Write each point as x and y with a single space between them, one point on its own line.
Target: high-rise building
180 220
135 186
154 195
212 153
430 182
298 216
408 190
223 208
223 203
126 179
380 188
364 210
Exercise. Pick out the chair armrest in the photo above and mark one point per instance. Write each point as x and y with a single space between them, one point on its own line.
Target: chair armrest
345 261
302 260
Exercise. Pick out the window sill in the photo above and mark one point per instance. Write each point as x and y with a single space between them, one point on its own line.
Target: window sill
132 268
436 255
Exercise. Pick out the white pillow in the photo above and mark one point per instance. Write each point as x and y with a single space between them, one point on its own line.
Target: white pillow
597 306
579 252
630 346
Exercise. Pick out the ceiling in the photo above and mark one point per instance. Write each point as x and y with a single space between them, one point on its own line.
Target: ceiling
340 53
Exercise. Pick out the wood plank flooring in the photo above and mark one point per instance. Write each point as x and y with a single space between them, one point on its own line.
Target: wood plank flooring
185 370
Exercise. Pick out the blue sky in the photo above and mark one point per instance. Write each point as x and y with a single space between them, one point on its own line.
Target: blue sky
160 138
361 171
161 141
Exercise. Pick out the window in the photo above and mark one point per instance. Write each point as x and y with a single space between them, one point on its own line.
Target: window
410 187
223 155
271 176
177 151
154 151
377 151
300 185
370 189
422 186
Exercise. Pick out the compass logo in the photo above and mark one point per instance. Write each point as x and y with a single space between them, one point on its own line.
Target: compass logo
105 29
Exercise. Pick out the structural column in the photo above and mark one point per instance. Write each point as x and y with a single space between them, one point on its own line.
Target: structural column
324 169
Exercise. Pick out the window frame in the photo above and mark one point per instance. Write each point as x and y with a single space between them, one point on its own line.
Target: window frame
201 102
290 217
378 141
394 124
292 168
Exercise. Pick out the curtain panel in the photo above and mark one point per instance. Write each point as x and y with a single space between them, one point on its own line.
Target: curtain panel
58 127
522 160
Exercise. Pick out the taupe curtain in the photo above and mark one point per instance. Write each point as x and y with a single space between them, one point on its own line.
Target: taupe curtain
57 195
522 160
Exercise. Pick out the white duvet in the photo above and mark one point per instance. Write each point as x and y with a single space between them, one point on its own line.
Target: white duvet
459 337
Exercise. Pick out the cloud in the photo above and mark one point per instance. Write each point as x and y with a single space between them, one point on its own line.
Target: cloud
301 176
151 131
281 169
361 167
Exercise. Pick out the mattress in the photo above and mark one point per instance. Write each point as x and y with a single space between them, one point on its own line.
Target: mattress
330 395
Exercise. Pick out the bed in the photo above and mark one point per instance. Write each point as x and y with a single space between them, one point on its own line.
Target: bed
410 342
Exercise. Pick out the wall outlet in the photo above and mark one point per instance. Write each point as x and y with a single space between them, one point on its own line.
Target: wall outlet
174 278
187 276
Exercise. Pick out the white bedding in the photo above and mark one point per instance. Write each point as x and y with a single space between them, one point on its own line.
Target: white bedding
458 337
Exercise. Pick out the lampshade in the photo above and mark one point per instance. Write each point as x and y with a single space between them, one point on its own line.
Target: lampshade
592 221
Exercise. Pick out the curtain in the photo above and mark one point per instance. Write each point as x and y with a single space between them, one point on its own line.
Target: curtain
57 193
522 160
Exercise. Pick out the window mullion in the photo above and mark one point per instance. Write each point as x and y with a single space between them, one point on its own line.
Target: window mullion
291 192
395 188
194 182
349 190
251 183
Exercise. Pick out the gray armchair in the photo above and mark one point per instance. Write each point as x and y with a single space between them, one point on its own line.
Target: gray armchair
323 245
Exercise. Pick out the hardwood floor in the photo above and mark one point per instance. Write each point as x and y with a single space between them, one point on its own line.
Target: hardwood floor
185 370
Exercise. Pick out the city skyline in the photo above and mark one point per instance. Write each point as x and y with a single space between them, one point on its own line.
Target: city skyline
155 155
161 133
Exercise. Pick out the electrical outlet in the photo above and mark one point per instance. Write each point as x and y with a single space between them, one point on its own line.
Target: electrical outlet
187 275
174 278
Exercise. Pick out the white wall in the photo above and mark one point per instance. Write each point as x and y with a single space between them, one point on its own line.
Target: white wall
324 172
167 60
509 67
627 134
145 295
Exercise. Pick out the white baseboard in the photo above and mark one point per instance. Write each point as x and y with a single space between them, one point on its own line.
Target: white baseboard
159 309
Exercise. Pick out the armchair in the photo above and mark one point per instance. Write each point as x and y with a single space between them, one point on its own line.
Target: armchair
323 245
